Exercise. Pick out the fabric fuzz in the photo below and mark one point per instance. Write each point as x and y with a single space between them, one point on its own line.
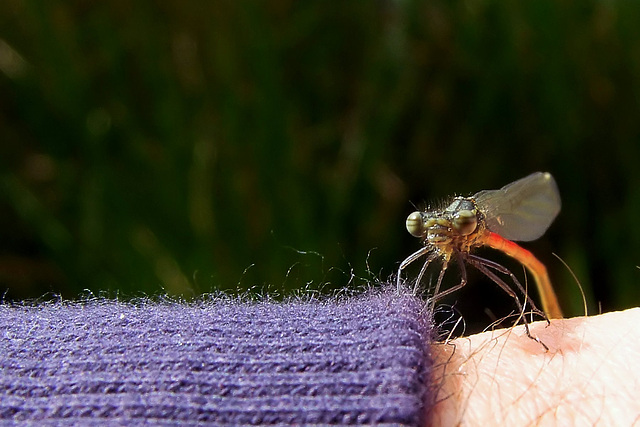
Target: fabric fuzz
221 361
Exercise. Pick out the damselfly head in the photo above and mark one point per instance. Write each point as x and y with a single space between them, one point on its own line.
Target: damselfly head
451 225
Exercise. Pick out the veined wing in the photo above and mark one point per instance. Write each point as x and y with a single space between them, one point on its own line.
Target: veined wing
522 210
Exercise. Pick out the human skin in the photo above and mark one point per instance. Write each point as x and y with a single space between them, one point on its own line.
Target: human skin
589 376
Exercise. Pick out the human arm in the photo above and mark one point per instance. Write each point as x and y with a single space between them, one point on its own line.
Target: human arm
589 376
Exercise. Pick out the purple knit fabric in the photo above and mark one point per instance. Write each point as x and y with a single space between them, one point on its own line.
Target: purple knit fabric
362 360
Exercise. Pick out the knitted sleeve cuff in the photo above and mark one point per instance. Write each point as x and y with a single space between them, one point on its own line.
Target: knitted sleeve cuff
360 360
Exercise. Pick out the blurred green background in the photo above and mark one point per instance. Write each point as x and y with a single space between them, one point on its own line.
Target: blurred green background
154 147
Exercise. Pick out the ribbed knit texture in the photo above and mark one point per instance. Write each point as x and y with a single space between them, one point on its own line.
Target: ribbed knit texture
363 360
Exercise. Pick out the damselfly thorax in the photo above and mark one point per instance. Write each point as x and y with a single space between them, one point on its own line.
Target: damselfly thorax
522 210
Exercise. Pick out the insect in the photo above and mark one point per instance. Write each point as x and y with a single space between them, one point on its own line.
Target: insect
520 211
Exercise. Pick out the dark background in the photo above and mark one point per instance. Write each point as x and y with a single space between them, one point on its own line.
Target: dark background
171 147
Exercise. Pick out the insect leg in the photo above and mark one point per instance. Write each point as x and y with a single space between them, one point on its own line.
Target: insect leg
504 270
536 268
437 295
483 266
430 258
411 258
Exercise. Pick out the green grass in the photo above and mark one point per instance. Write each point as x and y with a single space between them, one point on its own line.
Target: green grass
168 147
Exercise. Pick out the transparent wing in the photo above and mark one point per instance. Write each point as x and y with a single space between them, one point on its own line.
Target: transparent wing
522 210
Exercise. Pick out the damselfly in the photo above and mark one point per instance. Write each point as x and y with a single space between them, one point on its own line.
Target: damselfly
520 211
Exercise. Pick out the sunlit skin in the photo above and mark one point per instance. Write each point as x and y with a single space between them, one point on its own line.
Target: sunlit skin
523 209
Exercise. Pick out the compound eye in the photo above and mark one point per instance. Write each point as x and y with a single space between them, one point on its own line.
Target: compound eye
415 225
465 222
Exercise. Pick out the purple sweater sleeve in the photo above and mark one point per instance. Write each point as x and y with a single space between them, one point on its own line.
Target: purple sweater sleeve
361 360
